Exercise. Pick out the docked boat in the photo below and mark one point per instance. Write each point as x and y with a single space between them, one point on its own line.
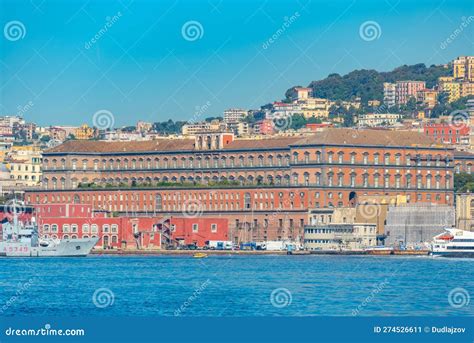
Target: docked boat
200 255
453 243
379 250
22 240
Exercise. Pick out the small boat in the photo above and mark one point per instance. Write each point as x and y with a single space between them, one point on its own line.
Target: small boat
379 250
453 243
200 255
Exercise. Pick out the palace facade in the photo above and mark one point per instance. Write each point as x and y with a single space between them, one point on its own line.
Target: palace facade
264 187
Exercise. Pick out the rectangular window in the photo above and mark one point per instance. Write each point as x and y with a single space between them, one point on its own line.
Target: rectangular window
214 228
195 228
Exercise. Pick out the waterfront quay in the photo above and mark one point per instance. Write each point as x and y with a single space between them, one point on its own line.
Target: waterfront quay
333 190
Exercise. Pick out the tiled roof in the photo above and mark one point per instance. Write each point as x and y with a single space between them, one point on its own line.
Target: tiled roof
133 146
269 143
330 136
466 154
369 137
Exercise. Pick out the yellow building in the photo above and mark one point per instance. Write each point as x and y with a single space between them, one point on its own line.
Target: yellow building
84 132
451 87
467 88
463 68
4 149
428 97
373 103
465 211
300 93
314 107
24 163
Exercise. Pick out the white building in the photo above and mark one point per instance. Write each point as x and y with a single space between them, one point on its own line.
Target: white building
192 129
389 92
234 115
378 119
239 129
340 236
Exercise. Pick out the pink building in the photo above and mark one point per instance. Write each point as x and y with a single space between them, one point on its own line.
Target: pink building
406 89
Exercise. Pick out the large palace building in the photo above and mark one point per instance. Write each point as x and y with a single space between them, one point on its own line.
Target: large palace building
264 187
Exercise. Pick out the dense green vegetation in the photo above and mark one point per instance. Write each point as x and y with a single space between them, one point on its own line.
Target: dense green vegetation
444 108
168 127
463 182
368 84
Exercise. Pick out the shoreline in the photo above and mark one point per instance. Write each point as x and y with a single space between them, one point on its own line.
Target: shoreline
157 252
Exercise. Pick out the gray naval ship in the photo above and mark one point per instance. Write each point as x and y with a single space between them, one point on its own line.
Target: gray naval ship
22 240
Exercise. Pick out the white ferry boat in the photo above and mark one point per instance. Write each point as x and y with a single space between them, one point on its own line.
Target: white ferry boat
453 243
22 240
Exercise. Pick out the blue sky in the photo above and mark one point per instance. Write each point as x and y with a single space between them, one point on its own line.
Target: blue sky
143 67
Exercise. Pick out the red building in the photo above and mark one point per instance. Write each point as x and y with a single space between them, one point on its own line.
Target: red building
316 126
80 221
265 127
446 132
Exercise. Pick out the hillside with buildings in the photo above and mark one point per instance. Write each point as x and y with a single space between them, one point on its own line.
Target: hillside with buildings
401 140
368 84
